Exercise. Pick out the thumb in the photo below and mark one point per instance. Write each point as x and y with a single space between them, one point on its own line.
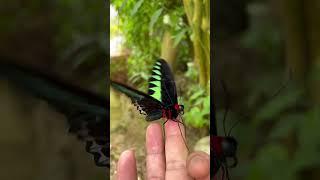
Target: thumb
198 165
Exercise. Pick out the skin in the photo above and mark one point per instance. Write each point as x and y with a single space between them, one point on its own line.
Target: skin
168 161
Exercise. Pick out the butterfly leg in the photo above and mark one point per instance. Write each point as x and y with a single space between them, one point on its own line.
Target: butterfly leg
183 138
227 174
164 130
223 172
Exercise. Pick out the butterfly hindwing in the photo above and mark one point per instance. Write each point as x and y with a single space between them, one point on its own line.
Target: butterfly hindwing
146 104
93 130
100 151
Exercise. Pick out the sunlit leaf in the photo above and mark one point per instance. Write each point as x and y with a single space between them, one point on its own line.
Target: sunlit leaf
154 18
136 7
179 37
196 94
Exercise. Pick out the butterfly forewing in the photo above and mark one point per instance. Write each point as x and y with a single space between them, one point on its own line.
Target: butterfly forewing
161 84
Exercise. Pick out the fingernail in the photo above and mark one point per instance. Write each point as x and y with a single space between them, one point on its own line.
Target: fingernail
197 160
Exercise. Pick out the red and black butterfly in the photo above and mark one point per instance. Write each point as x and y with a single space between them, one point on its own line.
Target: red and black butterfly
161 100
222 148
87 113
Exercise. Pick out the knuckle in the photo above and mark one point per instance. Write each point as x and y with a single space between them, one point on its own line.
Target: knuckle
175 165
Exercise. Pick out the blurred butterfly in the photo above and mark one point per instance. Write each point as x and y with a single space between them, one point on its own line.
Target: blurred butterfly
87 113
223 147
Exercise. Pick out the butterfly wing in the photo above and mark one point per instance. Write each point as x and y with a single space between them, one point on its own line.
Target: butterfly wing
146 104
86 112
92 129
161 84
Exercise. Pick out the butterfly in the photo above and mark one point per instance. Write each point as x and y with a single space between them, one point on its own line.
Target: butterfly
222 148
87 113
161 100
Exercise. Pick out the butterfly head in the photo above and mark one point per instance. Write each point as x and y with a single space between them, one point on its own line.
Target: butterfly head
229 148
179 108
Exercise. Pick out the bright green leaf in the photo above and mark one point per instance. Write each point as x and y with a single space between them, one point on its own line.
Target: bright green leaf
179 37
136 7
154 18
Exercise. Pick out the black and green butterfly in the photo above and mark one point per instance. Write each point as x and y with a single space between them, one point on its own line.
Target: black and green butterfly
161 100
87 113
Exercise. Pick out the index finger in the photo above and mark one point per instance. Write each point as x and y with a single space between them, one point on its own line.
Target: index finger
175 150
155 152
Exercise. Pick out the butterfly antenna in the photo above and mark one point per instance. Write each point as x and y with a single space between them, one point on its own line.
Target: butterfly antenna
223 172
227 106
164 129
283 86
233 125
227 174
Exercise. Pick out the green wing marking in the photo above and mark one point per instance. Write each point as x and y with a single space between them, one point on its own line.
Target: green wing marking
156 71
156 77
155 82
156 89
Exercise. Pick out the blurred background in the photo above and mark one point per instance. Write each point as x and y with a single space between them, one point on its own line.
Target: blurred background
142 31
267 53
65 38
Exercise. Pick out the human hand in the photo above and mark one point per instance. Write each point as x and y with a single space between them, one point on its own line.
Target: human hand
169 161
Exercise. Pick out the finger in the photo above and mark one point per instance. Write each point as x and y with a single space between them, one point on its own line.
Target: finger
198 165
155 152
176 151
127 169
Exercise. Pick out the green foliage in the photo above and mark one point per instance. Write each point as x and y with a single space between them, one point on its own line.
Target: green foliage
263 35
274 157
198 103
143 23
135 24
277 105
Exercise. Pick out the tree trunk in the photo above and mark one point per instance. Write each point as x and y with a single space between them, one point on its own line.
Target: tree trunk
198 15
168 51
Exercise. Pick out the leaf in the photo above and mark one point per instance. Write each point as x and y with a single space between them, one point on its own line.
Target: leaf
274 158
179 37
206 105
136 7
276 106
305 157
308 134
154 18
285 125
196 95
82 58
198 101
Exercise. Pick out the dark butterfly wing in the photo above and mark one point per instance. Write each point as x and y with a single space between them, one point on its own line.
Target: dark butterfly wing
146 104
86 112
92 129
161 84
